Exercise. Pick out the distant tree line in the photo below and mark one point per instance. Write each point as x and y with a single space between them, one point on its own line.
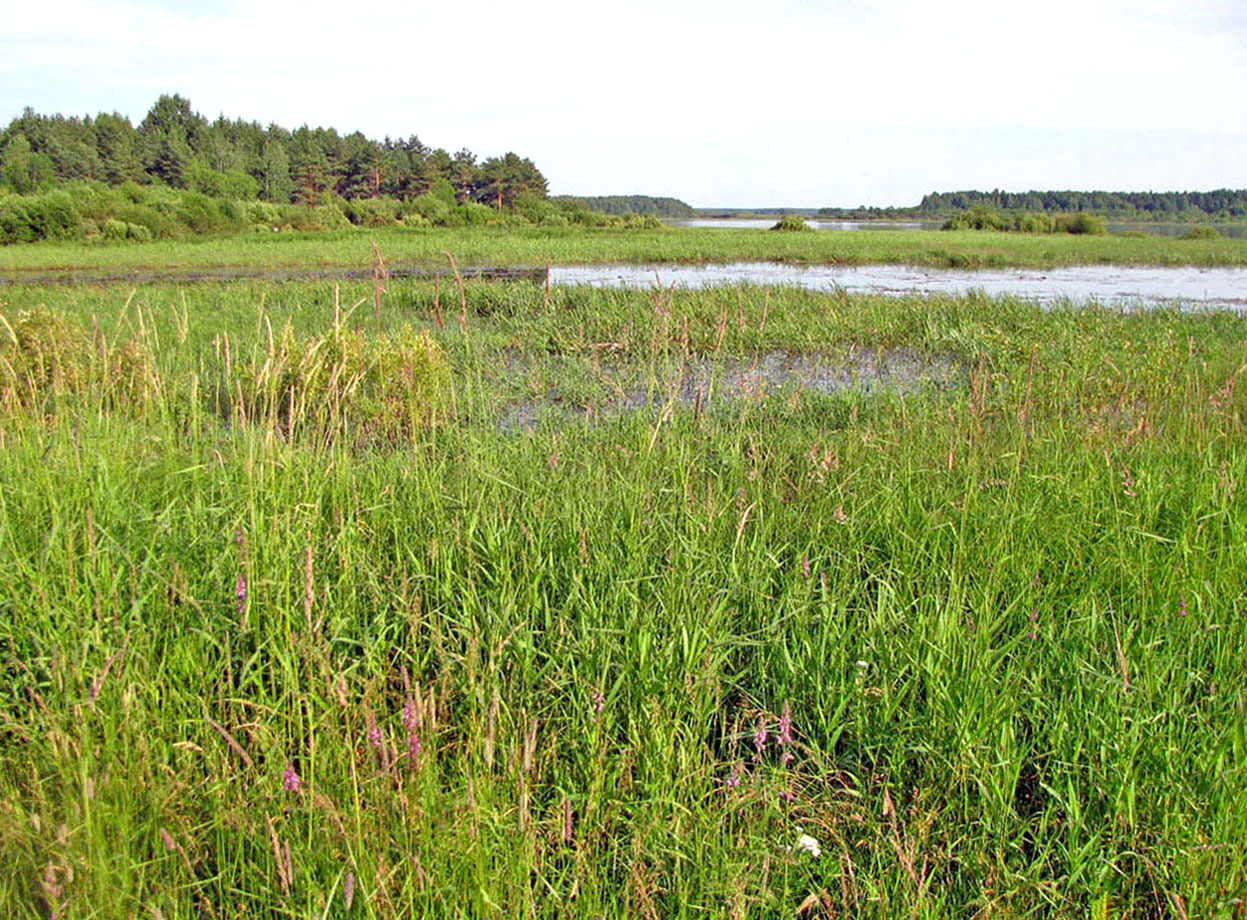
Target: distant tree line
1222 204
176 174
177 147
631 204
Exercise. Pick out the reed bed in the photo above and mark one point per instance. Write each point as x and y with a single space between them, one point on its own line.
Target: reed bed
968 649
540 247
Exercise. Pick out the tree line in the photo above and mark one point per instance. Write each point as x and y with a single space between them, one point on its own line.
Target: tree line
1221 204
631 204
175 146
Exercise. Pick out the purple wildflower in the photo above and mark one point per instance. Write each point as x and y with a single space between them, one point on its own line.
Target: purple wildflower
413 735
784 735
805 566
238 537
240 592
1181 605
733 779
759 741
788 796
599 703
290 779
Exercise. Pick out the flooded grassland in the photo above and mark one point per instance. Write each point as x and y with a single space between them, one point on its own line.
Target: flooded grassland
398 598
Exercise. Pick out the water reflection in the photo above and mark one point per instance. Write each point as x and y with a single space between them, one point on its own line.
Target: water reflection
1116 285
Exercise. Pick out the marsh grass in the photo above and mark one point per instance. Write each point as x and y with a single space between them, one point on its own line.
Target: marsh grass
553 246
544 671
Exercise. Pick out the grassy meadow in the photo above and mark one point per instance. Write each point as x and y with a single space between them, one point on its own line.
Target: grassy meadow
554 246
319 604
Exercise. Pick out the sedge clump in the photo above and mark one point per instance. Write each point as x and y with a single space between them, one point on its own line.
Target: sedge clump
381 388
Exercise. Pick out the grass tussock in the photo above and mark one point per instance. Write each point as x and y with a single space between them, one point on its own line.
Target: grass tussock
48 358
346 383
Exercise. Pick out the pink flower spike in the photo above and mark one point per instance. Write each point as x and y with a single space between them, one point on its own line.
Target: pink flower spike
290 779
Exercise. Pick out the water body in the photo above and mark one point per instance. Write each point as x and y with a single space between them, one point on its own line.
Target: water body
762 223
709 383
1234 231
1114 285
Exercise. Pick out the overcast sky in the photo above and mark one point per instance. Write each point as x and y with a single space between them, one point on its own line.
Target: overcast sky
797 103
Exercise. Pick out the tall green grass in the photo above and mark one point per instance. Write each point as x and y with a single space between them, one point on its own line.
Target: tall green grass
553 246
471 670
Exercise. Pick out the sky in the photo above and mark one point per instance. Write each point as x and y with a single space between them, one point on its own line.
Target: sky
796 103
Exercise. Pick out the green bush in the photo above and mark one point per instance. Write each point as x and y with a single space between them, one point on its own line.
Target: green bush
15 225
432 208
979 217
28 218
472 215
1204 232
1080 223
138 233
116 230
1035 223
371 212
790 223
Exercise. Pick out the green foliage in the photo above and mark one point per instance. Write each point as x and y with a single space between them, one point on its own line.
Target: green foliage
471 214
1035 223
1202 233
1081 223
177 148
629 204
1228 202
444 191
980 217
116 230
22 170
371 212
25 219
792 223
230 184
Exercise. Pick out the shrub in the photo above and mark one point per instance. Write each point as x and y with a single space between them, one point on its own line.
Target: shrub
264 214
371 212
1081 222
15 225
1204 232
138 233
116 230
791 223
979 217
472 215
431 208
1035 223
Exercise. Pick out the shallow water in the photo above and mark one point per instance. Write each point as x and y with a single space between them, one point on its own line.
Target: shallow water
766 223
1234 231
1114 285
712 383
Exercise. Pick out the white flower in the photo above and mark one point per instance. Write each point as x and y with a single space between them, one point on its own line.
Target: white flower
863 664
807 844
